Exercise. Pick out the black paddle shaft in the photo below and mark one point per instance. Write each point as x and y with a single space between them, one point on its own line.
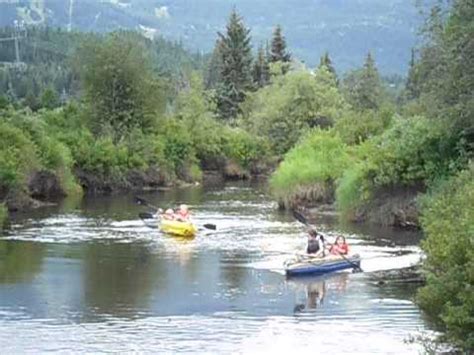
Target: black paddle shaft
142 201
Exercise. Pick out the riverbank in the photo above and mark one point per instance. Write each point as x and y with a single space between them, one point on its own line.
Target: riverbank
390 207
45 189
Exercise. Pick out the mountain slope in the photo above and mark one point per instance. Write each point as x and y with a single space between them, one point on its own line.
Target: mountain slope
346 28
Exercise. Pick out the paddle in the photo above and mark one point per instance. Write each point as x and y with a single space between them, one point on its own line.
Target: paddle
303 220
144 215
142 201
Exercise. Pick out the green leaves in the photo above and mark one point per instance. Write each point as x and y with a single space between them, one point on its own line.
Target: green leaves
448 222
287 107
235 77
320 158
122 94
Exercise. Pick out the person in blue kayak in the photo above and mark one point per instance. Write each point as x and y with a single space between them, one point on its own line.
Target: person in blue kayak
316 244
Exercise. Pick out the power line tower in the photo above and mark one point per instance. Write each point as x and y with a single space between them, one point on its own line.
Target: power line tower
19 32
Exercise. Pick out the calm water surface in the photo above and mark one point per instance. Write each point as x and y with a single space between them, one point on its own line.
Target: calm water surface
90 276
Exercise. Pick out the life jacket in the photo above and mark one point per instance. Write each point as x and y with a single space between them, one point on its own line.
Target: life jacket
184 216
313 246
340 249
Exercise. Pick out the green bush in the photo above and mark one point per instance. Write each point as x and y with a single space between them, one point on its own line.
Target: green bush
53 155
413 151
355 127
292 104
195 110
105 158
448 222
178 143
243 147
320 158
17 156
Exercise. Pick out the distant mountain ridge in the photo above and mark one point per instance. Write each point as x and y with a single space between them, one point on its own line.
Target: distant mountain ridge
348 29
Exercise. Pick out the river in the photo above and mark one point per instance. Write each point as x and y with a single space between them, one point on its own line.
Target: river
90 276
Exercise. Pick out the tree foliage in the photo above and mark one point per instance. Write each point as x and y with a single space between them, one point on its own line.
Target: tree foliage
448 222
278 50
363 88
327 62
122 94
261 69
236 69
290 105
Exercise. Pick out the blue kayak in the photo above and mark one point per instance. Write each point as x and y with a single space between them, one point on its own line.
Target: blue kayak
306 265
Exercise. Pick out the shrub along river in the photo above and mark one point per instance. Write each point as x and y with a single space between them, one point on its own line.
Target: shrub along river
90 276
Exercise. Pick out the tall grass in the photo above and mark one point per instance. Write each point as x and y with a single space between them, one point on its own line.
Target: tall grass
319 160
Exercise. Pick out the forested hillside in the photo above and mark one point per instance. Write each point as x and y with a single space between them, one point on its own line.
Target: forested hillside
345 28
48 57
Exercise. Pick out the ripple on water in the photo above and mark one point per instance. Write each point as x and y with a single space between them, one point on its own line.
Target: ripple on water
219 333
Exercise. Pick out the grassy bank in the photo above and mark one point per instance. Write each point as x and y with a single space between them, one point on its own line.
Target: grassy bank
310 170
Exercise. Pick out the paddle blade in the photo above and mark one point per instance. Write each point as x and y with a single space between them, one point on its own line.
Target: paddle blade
140 201
210 226
300 217
145 215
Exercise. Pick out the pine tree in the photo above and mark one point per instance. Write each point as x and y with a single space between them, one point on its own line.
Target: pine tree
412 88
261 69
371 88
49 98
214 67
363 86
326 61
278 47
278 52
236 70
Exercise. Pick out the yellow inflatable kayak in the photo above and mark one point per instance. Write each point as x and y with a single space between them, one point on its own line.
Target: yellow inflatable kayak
182 229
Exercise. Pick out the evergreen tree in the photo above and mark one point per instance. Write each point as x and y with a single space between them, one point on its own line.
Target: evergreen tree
30 100
278 52
261 69
326 61
412 87
363 87
49 98
236 70
214 67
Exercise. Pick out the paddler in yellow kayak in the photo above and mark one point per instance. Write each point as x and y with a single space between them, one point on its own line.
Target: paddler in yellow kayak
178 223
183 214
168 215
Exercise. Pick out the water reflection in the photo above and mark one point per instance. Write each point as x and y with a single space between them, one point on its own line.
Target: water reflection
19 261
233 274
311 292
119 278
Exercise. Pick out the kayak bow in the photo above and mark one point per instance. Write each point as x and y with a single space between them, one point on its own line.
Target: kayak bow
182 229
